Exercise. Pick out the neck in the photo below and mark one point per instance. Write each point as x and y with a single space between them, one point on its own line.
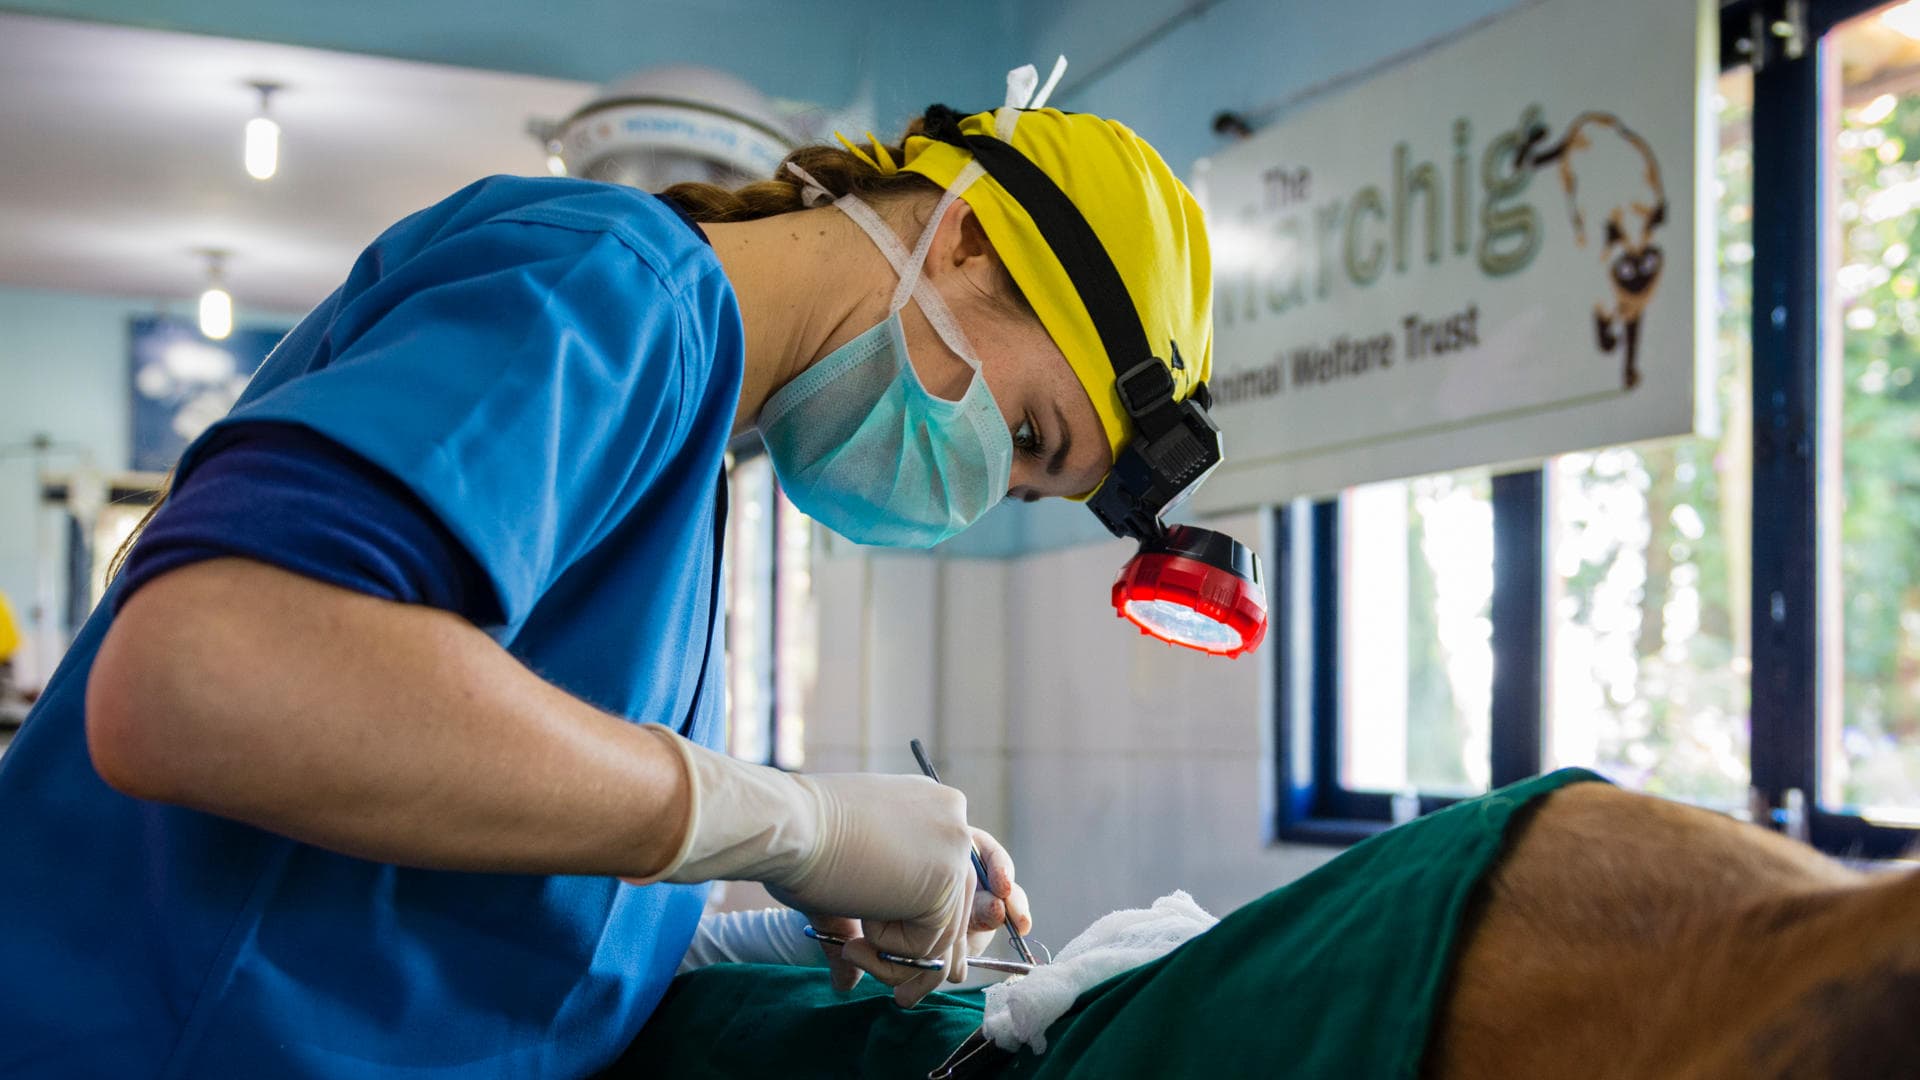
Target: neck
806 283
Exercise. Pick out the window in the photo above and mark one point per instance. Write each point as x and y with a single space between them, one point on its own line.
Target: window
1732 619
750 602
1869 749
795 650
1416 656
771 658
1650 559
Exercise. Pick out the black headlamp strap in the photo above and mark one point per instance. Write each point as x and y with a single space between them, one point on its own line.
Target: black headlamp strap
1075 245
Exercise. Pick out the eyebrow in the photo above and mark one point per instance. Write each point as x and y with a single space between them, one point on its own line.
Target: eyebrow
1059 459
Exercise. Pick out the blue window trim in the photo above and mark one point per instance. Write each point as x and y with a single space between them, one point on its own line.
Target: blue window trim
1312 806
1519 616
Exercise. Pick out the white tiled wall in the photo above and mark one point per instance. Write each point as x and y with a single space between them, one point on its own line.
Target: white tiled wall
1137 767
1114 767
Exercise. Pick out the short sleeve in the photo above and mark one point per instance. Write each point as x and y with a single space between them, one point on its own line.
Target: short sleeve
288 497
526 382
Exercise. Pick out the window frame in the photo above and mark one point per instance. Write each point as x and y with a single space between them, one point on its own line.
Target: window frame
1790 540
1314 806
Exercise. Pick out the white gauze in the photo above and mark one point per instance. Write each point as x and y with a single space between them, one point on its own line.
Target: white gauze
1020 1011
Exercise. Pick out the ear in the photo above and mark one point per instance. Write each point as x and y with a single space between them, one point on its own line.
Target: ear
961 243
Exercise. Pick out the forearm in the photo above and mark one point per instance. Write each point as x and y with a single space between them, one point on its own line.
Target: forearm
767 936
391 732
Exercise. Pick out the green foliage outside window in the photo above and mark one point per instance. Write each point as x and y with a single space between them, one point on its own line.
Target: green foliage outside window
1873 759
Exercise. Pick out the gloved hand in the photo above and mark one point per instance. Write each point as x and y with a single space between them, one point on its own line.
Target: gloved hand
991 907
1002 897
778 935
891 851
764 936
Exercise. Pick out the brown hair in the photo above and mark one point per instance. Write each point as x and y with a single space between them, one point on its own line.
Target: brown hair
838 170
119 559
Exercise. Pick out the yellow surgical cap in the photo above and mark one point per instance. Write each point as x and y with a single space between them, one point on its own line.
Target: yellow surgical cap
1145 218
9 630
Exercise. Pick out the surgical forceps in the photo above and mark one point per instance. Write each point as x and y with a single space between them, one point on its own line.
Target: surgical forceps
988 963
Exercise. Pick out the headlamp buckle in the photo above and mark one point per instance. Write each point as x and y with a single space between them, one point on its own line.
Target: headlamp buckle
1145 387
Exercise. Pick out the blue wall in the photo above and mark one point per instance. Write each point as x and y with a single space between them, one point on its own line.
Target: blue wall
906 53
63 373
1245 55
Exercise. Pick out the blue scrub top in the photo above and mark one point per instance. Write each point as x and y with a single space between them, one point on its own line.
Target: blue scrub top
552 366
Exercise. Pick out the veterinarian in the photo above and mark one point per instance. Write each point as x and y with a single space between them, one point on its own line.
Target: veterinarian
417 661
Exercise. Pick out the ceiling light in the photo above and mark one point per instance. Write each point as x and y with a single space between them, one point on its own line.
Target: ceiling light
263 137
216 304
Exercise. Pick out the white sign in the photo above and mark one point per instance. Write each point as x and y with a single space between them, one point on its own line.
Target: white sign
1487 255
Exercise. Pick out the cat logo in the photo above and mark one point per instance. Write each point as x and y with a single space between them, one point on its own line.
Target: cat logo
1612 183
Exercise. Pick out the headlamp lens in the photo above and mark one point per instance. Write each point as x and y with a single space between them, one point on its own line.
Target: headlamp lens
1197 588
1182 625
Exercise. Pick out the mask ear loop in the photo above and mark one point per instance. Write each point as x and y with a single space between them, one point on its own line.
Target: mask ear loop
913 284
812 192
907 265
931 304
909 282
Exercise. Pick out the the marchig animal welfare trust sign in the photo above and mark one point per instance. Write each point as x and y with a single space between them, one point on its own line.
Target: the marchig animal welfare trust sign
1485 255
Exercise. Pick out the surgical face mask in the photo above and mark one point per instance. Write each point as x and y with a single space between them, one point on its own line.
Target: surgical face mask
863 447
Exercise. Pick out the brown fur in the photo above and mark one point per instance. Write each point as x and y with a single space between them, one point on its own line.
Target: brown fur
1629 936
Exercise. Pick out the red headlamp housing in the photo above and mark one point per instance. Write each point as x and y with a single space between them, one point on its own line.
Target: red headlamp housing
1197 588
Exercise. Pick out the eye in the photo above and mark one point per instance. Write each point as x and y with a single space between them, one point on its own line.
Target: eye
1026 439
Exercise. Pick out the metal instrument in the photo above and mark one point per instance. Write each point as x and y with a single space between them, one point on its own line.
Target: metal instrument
988 963
979 865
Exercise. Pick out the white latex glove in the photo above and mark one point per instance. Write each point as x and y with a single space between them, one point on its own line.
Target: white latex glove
991 906
764 936
1002 897
891 851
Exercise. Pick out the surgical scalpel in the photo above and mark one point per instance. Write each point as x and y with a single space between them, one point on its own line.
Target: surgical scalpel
1010 967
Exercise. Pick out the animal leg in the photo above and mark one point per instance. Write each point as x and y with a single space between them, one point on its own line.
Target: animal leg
1603 331
1632 375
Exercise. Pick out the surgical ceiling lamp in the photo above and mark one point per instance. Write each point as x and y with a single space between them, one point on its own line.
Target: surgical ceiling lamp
669 125
1186 585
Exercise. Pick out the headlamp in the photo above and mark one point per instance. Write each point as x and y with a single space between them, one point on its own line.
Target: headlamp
1195 587
1186 585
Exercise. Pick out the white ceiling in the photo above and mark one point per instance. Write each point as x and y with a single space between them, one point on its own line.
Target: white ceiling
120 156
